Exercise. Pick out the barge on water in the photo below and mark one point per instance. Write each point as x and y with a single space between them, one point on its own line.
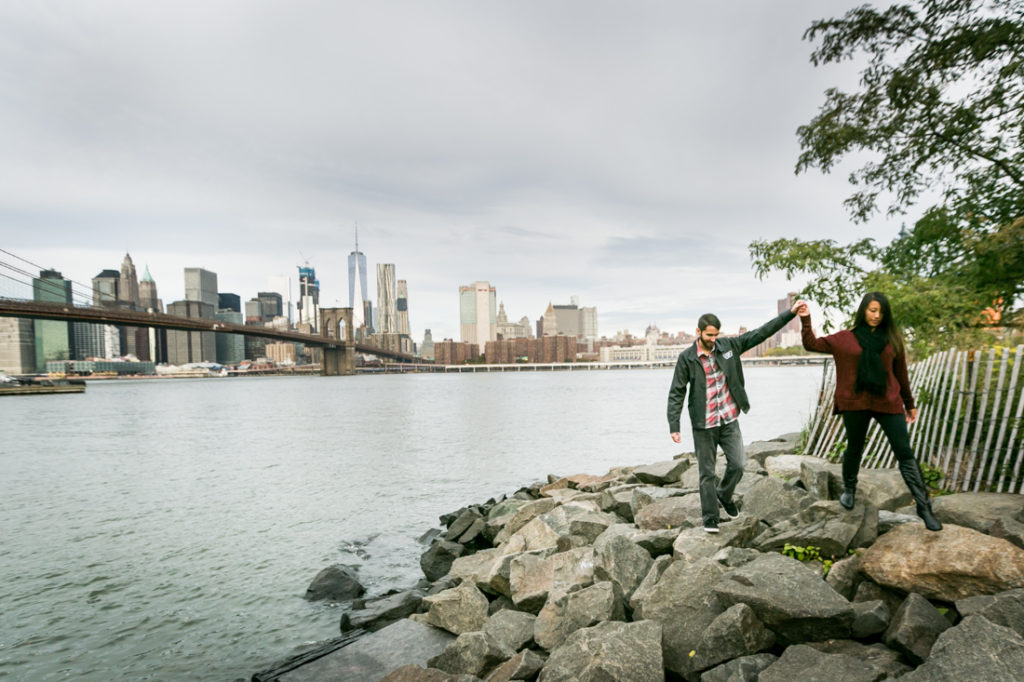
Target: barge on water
39 386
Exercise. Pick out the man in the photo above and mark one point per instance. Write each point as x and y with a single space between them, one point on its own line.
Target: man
712 371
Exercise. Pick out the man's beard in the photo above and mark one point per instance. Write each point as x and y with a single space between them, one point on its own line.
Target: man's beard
705 346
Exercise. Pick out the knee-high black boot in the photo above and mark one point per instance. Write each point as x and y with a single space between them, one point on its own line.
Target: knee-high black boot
912 477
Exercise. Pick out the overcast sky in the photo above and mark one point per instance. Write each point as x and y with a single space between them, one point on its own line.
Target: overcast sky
623 152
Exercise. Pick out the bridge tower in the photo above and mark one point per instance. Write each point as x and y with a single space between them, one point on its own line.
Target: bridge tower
339 358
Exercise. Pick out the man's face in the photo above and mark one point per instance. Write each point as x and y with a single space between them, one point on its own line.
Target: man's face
708 337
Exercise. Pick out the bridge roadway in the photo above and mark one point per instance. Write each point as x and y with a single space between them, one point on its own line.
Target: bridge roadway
66 312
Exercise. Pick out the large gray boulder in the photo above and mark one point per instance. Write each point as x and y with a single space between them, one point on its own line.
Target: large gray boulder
381 612
818 475
951 564
337 582
807 664
458 610
742 669
826 525
671 512
476 568
887 663
609 651
791 599
462 524
523 666
785 466
533 579
684 604
565 526
883 488
870 618
661 473
616 500
735 632
562 616
522 516
845 576
759 450
694 543
513 629
772 500
472 653
658 567
1005 608
996 514
621 561
914 628
643 496
976 649
438 559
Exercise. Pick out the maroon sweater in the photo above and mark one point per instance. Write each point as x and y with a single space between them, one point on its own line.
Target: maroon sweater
845 349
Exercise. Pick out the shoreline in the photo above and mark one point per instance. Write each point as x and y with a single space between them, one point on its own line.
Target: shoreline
522 587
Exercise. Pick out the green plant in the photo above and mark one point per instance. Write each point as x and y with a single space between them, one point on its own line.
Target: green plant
836 453
808 554
933 477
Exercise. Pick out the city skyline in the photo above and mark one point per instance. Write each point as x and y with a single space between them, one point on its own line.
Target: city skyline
623 154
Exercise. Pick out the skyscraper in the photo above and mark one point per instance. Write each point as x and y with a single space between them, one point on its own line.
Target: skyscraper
128 284
357 293
478 310
387 307
52 338
148 299
309 298
201 285
402 307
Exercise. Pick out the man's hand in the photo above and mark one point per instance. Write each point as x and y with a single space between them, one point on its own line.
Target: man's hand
801 308
676 437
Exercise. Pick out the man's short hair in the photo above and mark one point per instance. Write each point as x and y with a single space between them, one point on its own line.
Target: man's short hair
708 320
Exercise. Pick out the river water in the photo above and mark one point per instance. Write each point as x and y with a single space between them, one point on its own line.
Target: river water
167 529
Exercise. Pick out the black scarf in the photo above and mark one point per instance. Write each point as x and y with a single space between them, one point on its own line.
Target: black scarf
871 374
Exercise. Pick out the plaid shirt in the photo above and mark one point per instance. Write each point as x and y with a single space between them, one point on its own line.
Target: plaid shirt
721 408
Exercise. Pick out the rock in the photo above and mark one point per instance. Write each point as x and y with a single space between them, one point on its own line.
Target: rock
1011 530
789 598
817 475
621 561
416 673
743 669
502 603
437 560
683 603
337 583
734 557
617 501
591 484
824 524
524 515
951 564
844 576
870 618
462 523
760 450
512 629
661 473
474 535
694 543
671 512
914 628
888 520
658 567
381 612
980 511
562 616
458 610
472 653
645 495
976 649
557 527
532 579
772 500
736 632
883 488
523 666
609 651
374 655
1005 608
805 663
786 467
476 568
885 661
871 591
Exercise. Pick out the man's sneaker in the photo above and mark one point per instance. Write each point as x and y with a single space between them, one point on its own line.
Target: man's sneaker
711 526
729 507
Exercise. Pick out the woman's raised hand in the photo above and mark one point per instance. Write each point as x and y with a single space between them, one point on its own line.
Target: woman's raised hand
801 308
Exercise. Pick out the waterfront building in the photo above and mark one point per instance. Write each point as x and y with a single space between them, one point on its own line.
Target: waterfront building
511 330
281 353
426 350
148 298
87 340
387 299
128 283
449 352
186 347
546 349
478 319
392 341
201 285
230 347
309 298
17 346
53 340
402 307
232 302
358 295
570 320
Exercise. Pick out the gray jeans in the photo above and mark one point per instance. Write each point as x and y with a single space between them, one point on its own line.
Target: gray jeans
706 443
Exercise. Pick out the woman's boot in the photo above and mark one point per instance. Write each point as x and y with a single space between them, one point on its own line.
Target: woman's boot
847 499
912 477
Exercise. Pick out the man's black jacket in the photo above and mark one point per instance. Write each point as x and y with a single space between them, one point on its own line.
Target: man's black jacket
689 372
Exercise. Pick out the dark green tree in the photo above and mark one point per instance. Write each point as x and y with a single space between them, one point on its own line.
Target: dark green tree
939 112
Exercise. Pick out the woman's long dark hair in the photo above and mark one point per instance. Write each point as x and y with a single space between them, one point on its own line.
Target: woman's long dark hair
887 325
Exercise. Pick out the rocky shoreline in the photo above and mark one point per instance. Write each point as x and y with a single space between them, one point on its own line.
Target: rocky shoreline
612 578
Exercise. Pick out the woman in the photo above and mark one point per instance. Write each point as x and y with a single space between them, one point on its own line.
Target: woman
872 383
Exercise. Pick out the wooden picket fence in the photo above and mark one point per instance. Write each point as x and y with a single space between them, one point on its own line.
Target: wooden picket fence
969 424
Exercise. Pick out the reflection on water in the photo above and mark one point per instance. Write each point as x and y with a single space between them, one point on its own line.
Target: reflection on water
168 529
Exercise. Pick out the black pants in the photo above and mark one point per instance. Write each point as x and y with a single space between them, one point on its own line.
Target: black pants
856 422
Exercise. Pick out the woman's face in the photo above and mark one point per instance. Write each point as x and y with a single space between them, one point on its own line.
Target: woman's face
873 314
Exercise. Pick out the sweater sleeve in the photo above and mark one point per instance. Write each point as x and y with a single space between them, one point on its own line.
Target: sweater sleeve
899 366
812 342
